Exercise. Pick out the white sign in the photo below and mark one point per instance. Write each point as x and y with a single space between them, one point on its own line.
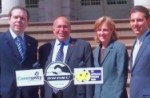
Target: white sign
88 75
58 75
29 77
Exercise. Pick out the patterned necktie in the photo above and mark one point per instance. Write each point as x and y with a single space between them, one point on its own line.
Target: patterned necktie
60 53
19 43
59 57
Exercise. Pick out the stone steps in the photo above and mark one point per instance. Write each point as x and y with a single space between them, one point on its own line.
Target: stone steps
80 29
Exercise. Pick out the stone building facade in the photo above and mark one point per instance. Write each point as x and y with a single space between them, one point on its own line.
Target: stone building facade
48 10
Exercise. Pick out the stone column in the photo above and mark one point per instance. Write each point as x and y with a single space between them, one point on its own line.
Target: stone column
6 6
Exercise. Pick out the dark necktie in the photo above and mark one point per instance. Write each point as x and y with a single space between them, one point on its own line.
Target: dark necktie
59 57
19 43
60 53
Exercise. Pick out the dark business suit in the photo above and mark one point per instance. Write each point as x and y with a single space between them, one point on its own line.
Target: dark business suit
79 54
10 62
115 68
140 72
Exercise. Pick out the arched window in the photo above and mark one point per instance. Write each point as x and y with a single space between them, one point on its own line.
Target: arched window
31 3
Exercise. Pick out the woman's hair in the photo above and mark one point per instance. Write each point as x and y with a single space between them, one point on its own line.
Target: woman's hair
110 23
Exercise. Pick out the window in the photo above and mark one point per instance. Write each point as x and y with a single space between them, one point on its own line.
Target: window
110 2
90 2
32 3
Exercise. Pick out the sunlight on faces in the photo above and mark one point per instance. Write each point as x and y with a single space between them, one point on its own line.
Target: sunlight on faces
139 23
61 28
104 33
18 21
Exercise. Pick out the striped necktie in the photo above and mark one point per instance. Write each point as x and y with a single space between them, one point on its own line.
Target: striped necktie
60 53
19 43
59 57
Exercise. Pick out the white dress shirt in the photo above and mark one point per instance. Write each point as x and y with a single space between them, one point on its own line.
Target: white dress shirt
56 48
137 46
135 50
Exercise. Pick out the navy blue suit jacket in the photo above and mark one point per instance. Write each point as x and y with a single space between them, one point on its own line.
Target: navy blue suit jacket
140 73
10 62
78 52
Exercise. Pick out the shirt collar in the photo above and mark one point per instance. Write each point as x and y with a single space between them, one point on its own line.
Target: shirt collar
66 42
14 35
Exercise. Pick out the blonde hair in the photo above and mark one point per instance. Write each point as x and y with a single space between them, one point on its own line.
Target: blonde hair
111 26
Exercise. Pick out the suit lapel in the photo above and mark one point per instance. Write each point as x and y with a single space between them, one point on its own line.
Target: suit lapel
107 51
98 87
141 50
97 57
49 60
28 46
51 53
12 45
71 47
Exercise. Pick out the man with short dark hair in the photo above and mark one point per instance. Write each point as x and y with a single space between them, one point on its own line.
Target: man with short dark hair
140 54
18 51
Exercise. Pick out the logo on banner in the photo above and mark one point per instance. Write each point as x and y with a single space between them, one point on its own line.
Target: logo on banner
82 75
29 77
88 76
58 75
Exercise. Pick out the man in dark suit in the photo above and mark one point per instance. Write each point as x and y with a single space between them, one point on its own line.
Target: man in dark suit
77 53
15 56
140 54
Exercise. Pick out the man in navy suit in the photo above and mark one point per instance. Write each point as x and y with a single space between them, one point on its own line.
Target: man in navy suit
140 54
77 53
11 59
